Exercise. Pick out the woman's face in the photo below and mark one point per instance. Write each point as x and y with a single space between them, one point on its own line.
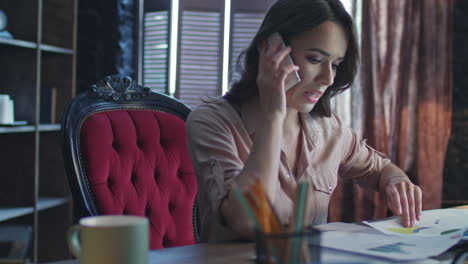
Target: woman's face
317 52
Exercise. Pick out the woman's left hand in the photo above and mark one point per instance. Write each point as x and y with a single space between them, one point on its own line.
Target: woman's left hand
405 199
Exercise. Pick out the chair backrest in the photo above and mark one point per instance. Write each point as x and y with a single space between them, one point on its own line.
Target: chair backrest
125 152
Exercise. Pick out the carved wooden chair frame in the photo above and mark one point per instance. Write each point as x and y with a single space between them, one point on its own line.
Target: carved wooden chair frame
111 93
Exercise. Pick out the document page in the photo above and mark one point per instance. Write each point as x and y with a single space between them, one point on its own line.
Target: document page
438 222
388 246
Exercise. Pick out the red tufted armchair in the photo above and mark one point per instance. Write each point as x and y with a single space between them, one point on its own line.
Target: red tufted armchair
125 153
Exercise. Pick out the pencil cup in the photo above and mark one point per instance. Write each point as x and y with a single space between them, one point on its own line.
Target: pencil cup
288 248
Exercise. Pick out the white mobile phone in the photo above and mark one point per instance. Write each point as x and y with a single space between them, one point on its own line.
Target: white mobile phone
293 78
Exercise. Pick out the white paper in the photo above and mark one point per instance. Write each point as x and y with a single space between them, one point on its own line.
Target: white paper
438 222
340 226
335 256
386 246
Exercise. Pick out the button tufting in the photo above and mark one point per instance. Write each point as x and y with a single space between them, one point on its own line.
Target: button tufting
115 146
179 174
147 211
109 182
162 143
139 144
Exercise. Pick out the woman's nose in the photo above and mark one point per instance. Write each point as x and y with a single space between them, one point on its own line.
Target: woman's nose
326 74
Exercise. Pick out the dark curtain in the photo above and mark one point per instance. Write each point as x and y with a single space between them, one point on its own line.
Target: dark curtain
404 97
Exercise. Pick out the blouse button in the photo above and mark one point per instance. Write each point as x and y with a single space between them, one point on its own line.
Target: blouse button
329 188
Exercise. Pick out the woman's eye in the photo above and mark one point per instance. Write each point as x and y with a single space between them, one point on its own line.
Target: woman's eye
313 60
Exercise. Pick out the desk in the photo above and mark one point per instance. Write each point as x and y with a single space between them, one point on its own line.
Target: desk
243 253
235 253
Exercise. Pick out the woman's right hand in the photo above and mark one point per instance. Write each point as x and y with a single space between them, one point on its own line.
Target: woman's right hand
271 77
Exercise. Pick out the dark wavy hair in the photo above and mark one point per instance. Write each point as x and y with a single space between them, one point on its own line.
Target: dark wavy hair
291 18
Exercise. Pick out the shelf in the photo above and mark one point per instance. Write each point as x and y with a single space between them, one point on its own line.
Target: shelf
49 127
33 45
16 129
18 43
55 49
43 204
29 128
46 203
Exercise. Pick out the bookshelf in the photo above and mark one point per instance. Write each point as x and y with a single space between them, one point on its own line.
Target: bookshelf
38 72
32 45
7 213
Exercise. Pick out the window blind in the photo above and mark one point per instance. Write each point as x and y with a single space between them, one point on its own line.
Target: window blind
200 56
244 27
156 51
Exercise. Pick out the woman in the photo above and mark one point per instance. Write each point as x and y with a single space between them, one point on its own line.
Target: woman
258 130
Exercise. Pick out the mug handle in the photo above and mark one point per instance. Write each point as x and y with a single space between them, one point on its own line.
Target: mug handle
74 240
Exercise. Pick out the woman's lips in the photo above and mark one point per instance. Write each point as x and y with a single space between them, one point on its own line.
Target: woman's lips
312 96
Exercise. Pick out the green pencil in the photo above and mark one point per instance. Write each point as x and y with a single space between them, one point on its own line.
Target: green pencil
299 224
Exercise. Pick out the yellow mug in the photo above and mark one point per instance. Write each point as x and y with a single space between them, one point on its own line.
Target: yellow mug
110 239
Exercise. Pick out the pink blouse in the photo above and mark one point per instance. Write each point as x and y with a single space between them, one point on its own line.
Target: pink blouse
219 143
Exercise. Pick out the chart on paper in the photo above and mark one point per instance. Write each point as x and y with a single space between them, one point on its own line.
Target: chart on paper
441 222
386 246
